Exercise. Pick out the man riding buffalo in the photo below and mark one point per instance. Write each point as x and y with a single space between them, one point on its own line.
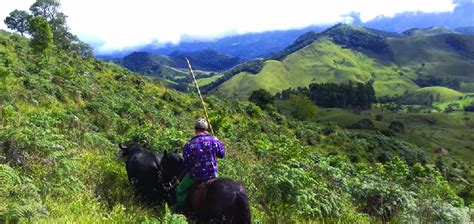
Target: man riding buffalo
199 160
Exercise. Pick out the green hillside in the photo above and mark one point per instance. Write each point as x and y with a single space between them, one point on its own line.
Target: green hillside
442 56
429 95
344 53
62 116
322 61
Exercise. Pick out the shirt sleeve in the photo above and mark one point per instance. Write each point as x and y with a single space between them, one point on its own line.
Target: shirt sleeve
220 150
186 156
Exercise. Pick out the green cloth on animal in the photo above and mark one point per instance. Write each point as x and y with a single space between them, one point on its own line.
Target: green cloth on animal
183 189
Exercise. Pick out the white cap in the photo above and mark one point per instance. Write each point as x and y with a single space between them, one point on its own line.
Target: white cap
201 124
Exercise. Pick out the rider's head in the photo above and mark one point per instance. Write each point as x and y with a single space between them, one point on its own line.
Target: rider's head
201 125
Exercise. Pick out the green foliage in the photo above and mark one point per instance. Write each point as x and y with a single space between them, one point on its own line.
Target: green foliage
290 190
20 200
18 20
42 41
396 126
299 107
363 124
261 97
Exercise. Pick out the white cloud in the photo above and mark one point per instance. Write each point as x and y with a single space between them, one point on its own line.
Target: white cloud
120 24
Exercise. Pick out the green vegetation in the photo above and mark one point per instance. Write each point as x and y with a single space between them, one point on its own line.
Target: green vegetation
262 98
42 41
357 96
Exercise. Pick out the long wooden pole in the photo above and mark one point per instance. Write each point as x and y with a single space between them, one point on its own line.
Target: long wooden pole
200 96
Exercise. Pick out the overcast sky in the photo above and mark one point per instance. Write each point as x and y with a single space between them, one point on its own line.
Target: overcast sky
118 24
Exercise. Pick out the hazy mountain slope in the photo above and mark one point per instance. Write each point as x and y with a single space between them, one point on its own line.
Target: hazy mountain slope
430 31
207 60
246 46
466 30
173 69
150 64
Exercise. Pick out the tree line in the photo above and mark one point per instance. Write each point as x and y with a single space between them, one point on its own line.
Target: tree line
346 95
46 25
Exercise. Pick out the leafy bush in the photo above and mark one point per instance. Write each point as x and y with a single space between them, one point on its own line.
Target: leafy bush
20 200
261 97
363 124
396 126
290 190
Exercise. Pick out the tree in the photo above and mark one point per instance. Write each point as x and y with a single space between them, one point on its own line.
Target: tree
396 126
40 30
261 97
49 10
18 20
302 108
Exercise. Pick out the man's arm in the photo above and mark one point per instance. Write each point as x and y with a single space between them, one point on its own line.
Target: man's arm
220 150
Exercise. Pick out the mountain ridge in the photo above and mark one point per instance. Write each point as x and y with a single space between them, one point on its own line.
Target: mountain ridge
393 53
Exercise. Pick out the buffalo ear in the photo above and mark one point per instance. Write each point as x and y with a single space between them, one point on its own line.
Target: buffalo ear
165 152
176 151
144 143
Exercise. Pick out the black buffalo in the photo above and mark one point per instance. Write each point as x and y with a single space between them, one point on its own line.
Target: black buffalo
143 170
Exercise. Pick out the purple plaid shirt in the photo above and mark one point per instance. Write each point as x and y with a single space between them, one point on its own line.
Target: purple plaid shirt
200 156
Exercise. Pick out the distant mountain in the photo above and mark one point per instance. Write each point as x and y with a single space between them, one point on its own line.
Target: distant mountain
430 31
207 60
246 46
465 30
345 53
173 69
255 45
150 64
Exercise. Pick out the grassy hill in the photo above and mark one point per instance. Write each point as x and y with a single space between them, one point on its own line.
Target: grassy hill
344 53
447 55
62 116
322 61
429 95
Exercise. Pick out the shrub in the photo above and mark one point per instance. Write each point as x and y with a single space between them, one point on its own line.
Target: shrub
261 97
364 123
19 197
396 126
42 40
378 117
